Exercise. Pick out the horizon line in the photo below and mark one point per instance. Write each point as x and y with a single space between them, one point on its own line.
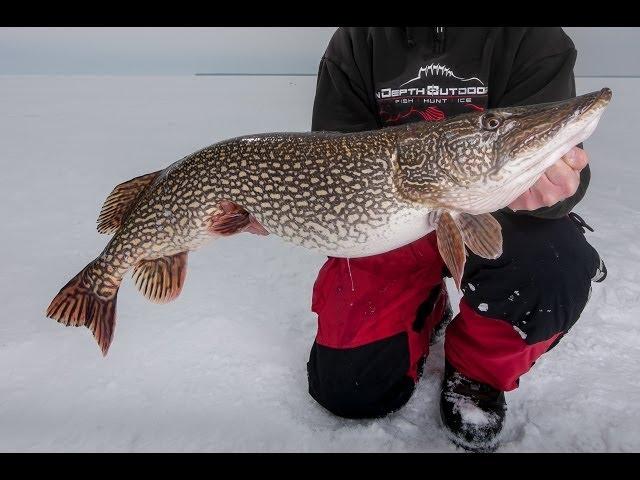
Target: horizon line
249 74
207 74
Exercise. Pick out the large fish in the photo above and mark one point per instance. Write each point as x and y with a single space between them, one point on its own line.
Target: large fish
344 195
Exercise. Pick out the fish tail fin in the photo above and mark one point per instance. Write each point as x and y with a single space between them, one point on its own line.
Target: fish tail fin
78 304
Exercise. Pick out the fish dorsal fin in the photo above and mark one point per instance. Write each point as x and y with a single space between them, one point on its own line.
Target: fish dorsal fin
161 280
120 200
451 246
482 234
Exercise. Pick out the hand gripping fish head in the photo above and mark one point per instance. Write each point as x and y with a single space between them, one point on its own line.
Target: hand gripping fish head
478 163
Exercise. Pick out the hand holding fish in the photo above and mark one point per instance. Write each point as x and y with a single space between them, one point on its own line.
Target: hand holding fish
560 181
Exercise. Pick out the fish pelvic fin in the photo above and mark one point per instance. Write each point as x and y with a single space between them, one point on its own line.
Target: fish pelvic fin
451 246
120 201
161 280
77 304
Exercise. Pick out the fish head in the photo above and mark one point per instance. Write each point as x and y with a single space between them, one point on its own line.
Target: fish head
481 162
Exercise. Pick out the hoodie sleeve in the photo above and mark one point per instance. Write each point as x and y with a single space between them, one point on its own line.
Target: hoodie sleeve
341 102
542 71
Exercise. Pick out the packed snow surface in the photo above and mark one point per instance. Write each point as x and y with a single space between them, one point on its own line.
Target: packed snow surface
223 367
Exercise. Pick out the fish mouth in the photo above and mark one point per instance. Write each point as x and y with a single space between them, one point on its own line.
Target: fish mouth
603 98
575 127
589 110
593 107
585 119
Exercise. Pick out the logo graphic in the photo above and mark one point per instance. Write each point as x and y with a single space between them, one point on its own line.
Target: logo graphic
429 114
435 84
441 70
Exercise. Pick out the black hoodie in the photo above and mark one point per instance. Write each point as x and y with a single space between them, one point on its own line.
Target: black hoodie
375 77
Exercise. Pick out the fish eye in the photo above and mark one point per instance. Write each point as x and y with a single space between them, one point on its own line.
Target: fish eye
490 122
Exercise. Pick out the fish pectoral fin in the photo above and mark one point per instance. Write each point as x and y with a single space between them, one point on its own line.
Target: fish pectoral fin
120 200
482 234
451 246
232 218
161 280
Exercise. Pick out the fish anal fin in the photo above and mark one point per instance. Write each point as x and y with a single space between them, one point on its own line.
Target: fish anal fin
120 200
451 246
482 234
161 280
232 218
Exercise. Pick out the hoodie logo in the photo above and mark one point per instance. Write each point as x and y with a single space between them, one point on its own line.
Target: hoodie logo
439 70
436 92
435 80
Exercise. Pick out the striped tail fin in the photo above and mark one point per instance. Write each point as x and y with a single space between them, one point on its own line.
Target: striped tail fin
77 304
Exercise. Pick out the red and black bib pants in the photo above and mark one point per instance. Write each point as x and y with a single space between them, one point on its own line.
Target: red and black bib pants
376 314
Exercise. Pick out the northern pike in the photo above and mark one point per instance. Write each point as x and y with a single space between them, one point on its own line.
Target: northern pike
340 194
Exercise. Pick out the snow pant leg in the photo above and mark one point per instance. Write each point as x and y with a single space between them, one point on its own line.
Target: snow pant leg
517 307
375 316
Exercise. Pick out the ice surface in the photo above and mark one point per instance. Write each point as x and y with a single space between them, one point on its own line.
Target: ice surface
223 367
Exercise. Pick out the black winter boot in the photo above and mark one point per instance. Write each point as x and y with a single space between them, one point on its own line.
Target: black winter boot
473 413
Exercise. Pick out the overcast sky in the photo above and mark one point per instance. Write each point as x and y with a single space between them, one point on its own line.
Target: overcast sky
185 51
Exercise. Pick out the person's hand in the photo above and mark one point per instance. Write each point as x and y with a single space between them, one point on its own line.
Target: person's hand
558 182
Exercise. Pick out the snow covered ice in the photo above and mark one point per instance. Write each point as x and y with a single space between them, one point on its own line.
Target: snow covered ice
223 368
